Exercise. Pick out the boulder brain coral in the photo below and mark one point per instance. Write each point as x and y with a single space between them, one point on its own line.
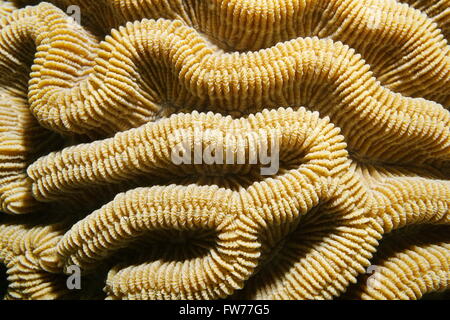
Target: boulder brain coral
209 149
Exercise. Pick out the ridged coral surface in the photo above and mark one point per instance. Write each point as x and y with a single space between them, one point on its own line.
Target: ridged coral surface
351 99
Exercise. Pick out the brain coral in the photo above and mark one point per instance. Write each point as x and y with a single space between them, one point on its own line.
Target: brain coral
352 98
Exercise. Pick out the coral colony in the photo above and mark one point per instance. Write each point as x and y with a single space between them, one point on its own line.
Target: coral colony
253 149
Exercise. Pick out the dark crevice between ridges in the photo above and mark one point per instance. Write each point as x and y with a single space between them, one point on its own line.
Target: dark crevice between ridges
3 281
441 295
3 274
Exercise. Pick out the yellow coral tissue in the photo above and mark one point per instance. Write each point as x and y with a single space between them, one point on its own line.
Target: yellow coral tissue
225 149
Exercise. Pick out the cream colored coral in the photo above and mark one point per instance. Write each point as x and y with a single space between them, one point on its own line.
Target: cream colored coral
29 253
34 270
388 25
6 7
97 89
22 140
90 115
197 75
148 150
409 264
393 202
437 10
311 142
28 282
406 201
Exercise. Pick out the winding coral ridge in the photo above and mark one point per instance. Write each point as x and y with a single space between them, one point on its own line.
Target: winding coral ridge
408 265
34 270
438 11
6 7
28 252
348 99
407 52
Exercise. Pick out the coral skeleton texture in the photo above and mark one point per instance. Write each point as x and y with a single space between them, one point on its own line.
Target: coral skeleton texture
352 97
